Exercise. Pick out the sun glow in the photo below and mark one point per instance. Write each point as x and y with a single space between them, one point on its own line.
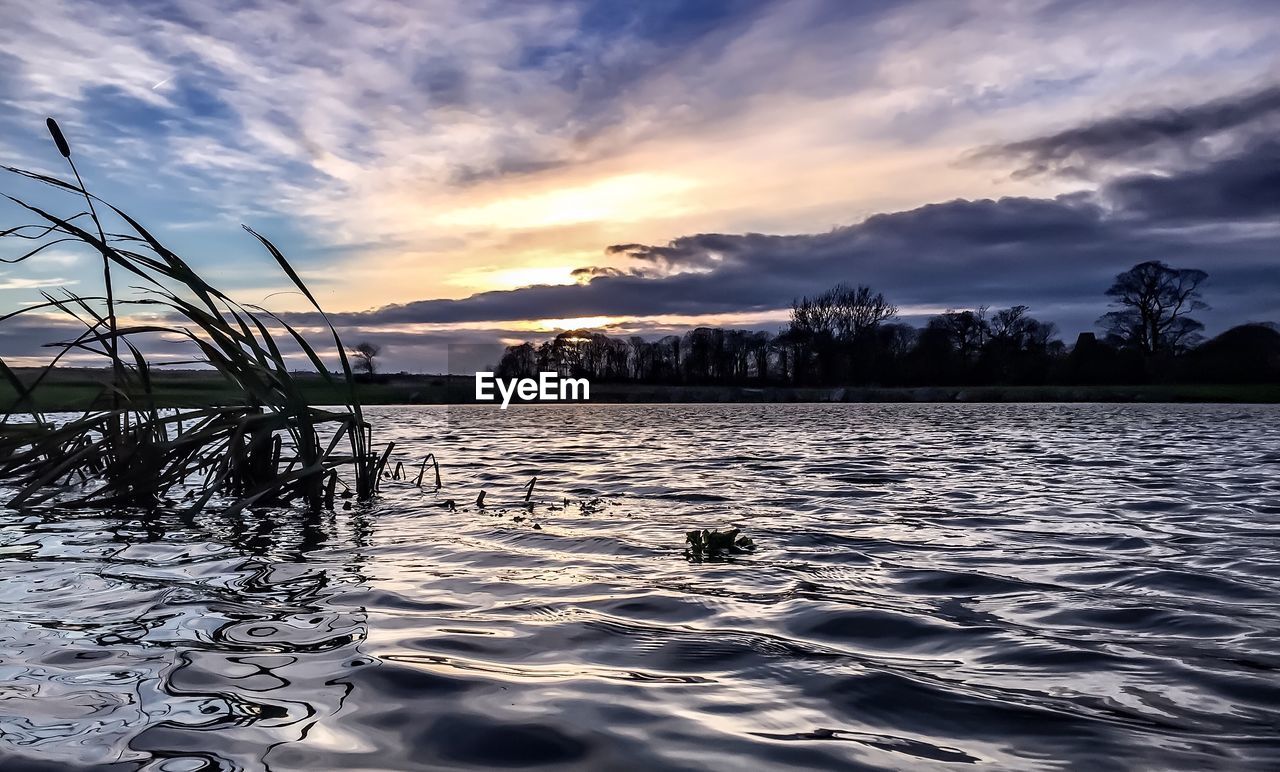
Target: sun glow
572 323
621 198
513 278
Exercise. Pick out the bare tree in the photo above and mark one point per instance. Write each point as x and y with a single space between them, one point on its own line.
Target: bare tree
1013 329
364 355
836 330
1155 301
813 318
967 330
518 362
859 311
897 339
842 312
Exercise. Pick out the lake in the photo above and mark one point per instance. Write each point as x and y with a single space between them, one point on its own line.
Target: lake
1020 586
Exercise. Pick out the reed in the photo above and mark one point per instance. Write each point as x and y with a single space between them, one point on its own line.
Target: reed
271 448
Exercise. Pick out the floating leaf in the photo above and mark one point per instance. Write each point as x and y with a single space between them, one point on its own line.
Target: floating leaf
712 544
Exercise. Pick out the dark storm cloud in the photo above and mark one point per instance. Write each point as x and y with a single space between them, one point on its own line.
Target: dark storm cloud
27 335
1243 187
699 252
1146 136
591 272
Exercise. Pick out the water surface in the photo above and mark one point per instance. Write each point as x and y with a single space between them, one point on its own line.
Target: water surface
1015 586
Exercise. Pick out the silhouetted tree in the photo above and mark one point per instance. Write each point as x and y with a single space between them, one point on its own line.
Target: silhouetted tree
933 358
832 335
858 312
1155 301
968 330
365 354
1249 353
844 337
703 354
757 351
518 362
667 358
1019 348
811 336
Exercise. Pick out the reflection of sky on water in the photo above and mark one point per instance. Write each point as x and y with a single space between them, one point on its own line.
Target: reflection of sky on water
120 641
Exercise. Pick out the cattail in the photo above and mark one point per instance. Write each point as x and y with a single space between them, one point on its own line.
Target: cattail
58 139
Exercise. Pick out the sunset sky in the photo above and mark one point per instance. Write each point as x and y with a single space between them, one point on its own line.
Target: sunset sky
456 171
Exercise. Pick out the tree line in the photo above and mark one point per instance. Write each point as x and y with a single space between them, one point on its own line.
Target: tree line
850 336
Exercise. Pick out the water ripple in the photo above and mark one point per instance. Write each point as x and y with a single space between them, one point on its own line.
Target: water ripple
1018 586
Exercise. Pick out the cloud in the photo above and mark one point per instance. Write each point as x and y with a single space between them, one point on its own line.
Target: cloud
17 283
1057 254
1168 134
1243 187
398 153
593 271
381 117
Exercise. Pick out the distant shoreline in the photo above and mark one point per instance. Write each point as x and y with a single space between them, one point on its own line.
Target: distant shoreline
76 389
